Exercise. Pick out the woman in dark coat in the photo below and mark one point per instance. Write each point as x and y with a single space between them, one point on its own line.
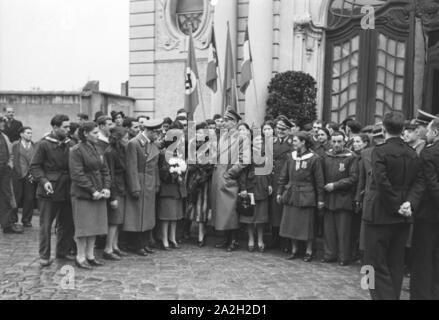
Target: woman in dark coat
90 188
323 144
198 188
172 191
115 158
260 189
301 185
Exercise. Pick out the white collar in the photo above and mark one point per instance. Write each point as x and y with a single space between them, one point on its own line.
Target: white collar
102 137
305 157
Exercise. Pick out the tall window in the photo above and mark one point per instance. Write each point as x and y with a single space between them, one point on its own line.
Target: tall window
368 72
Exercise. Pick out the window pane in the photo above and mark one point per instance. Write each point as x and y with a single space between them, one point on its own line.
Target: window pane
390 81
380 91
381 58
401 50
399 85
398 102
390 64
391 47
337 52
400 67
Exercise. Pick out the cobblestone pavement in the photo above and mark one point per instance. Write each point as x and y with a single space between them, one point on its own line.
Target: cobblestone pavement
190 273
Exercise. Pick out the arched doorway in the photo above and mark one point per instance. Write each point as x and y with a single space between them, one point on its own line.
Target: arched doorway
369 72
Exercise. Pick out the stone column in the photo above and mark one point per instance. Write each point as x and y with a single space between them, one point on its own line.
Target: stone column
260 24
286 36
225 11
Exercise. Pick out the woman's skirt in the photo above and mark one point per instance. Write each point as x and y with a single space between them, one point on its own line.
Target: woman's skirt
297 223
89 217
117 216
170 209
260 215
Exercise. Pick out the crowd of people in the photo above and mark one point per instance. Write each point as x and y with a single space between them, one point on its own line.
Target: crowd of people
371 193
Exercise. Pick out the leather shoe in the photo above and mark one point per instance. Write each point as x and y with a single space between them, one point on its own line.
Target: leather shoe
202 243
261 248
110 256
165 248
120 253
66 257
95 263
83 265
45 262
326 260
251 248
148 250
221 245
14 229
174 245
141 252
307 257
292 257
233 246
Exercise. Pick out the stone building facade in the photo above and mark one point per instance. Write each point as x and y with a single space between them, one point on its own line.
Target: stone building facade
361 71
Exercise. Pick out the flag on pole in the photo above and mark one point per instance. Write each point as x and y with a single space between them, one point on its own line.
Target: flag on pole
229 88
246 66
212 65
191 100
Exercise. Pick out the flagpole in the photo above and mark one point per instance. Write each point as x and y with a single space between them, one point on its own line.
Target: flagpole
235 73
200 93
254 82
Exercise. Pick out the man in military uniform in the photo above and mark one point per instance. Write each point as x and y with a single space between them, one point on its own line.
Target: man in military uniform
424 280
143 184
340 167
225 186
282 146
50 167
395 190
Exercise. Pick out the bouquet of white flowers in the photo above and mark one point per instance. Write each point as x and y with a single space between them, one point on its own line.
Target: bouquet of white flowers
177 165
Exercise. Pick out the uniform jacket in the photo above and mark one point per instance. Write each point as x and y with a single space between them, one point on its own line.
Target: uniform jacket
321 149
281 151
301 180
169 186
88 171
12 129
397 177
17 158
341 170
51 163
116 162
429 206
364 174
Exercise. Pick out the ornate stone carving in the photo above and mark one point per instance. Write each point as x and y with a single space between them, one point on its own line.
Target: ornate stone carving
428 11
311 34
171 27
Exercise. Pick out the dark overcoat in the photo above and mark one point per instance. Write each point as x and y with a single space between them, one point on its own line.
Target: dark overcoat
143 182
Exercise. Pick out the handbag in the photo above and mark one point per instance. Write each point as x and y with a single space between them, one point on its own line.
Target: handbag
246 206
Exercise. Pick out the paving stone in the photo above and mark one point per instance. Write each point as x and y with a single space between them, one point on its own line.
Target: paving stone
186 274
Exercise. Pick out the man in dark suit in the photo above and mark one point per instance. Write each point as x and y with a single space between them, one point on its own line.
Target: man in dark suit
424 281
50 168
23 182
12 126
395 191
